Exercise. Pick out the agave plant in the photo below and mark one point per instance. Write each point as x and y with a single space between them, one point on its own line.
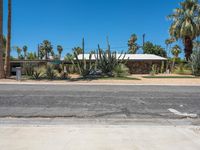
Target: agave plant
51 73
38 73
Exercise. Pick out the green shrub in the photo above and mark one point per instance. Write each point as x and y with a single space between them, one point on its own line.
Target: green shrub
121 70
195 62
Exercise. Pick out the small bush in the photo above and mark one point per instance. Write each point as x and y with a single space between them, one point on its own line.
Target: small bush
121 71
195 62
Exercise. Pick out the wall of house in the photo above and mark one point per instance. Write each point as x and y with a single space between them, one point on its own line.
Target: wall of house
142 67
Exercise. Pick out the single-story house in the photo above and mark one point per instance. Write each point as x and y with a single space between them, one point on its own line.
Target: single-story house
137 63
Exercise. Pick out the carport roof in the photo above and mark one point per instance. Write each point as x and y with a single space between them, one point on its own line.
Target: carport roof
128 57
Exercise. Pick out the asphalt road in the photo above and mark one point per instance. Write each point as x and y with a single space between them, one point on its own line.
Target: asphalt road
88 102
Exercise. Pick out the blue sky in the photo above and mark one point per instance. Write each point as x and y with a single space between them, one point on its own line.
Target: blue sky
66 22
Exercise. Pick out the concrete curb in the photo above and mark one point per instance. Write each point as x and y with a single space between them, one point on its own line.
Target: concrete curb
79 83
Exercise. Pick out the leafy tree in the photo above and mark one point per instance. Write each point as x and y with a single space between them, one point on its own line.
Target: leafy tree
150 48
45 49
185 25
195 62
133 46
25 49
60 50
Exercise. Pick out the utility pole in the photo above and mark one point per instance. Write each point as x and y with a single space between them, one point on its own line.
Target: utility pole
143 37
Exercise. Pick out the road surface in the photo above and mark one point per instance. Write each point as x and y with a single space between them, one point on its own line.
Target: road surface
99 101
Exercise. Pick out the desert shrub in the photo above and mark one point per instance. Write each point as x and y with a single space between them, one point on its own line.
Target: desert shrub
50 72
183 69
154 70
195 62
63 75
121 70
28 69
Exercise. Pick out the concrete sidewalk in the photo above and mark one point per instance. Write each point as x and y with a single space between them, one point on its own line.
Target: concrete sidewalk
99 137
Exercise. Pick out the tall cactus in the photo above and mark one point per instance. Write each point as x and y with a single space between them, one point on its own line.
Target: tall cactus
108 60
83 66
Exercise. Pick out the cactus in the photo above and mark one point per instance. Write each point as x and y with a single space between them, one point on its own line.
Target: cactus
108 60
84 68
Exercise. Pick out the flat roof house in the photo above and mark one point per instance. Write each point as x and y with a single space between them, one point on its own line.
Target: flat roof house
137 63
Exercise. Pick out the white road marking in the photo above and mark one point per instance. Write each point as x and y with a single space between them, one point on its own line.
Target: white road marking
182 114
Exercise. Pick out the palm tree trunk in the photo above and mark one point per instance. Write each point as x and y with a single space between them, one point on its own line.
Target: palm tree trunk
2 74
8 47
188 47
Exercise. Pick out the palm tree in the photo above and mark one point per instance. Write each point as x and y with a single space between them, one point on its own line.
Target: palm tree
25 49
176 50
2 73
133 46
78 50
8 42
18 50
60 50
168 43
185 25
46 48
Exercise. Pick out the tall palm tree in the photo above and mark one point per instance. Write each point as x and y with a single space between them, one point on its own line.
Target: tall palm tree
25 49
60 50
176 50
18 50
8 42
168 43
133 46
185 25
2 73
46 48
